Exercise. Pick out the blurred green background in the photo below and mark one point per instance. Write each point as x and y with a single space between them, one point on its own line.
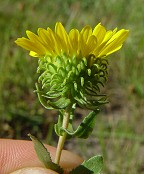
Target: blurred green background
119 130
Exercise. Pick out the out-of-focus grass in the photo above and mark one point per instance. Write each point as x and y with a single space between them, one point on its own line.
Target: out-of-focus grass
118 134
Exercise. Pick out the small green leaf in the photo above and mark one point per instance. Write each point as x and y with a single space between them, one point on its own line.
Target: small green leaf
58 127
95 164
44 155
85 128
92 166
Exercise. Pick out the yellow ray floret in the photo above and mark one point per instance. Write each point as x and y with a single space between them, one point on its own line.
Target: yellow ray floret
97 41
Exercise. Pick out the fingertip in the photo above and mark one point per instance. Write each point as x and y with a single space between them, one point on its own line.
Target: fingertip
34 170
70 160
17 154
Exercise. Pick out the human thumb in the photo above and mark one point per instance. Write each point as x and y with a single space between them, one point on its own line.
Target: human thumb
34 170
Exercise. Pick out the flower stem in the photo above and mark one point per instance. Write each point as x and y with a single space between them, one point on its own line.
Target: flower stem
63 137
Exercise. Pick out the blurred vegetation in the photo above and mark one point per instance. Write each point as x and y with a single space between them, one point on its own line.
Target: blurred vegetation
119 132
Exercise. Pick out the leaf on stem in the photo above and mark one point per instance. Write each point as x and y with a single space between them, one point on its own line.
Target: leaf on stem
44 155
92 166
58 127
83 130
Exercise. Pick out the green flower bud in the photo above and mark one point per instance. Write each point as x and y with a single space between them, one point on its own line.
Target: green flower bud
65 81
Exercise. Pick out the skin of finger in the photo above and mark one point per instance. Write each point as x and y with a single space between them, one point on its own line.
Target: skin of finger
17 154
34 170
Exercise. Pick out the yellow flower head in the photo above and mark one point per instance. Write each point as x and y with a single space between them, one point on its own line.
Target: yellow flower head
98 41
72 66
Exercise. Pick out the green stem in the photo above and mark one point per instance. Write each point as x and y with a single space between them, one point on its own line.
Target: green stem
63 137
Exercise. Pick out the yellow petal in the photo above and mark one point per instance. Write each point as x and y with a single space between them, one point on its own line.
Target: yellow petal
86 32
114 50
121 35
45 39
74 39
33 37
62 35
99 47
33 54
38 40
115 43
55 41
43 35
31 46
92 43
82 46
107 37
99 32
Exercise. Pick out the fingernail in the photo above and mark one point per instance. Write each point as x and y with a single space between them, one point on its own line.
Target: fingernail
34 170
